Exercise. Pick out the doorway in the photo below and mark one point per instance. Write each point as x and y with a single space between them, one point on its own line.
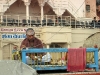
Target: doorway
7 51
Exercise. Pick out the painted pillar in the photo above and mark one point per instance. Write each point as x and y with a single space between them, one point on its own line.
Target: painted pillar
27 3
42 13
47 46
41 4
1 13
68 46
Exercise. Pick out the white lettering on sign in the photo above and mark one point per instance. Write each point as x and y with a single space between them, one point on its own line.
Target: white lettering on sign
13 29
8 36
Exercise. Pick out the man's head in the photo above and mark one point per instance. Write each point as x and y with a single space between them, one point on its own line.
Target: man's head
30 34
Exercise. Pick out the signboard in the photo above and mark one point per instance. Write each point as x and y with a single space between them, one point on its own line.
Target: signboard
13 29
13 36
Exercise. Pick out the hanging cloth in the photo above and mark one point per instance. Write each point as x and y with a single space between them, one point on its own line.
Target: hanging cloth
76 59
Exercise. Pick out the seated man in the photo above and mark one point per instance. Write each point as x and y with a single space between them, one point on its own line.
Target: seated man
31 42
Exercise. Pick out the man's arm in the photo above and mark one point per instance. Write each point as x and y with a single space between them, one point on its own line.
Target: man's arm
40 45
22 45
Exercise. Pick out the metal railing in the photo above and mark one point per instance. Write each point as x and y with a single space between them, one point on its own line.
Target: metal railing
55 66
49 20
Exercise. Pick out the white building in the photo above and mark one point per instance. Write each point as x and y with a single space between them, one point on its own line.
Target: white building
42 15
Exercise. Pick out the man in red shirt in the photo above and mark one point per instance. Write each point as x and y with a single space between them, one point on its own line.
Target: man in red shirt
31 41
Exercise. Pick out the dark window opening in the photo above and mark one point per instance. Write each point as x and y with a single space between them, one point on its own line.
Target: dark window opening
87 8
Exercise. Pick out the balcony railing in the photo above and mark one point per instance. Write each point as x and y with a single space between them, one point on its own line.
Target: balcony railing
49 20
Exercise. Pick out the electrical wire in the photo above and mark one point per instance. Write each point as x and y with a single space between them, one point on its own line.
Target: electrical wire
60 28
79 7
63 27
9 6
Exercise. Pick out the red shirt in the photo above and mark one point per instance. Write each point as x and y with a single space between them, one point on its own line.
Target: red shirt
36 43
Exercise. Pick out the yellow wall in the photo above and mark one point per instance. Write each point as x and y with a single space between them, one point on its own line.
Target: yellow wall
63 36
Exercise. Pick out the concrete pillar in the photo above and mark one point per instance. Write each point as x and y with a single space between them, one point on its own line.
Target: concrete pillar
27 11
47 46
1 16
1 13
42 13
41 4
68 45
27 3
